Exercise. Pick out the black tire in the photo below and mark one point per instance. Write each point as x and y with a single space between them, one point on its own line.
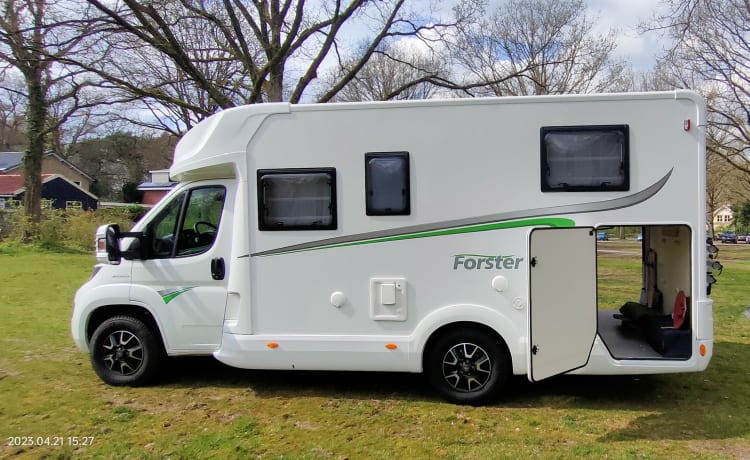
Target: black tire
125 351
468 366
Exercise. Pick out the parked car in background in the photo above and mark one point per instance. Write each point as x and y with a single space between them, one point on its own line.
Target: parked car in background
639 237
602 236
728 237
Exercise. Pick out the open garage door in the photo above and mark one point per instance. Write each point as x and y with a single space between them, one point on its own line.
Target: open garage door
562 307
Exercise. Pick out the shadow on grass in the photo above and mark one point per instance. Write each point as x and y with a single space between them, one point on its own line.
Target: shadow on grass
714 404
204 371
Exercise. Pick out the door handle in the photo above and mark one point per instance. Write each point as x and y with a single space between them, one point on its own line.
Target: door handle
217 268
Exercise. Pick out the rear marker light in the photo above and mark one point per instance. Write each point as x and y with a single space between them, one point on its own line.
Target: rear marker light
272 345
702 349
391 346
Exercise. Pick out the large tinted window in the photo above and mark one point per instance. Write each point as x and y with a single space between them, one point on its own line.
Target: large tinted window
297 199
183 229
585 158
387 183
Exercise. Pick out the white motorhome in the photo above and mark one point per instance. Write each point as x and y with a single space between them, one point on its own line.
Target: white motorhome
452 237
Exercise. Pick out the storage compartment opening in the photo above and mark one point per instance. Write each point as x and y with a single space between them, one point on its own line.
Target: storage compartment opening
644 293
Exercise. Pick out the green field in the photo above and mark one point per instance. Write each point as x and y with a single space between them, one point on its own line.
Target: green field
49 394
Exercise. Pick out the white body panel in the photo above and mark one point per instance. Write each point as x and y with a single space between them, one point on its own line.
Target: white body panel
333 299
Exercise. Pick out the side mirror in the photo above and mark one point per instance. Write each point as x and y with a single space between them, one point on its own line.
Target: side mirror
135 250
112 242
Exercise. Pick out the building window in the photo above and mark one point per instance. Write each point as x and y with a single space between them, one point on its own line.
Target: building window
585 158
387 183
297 199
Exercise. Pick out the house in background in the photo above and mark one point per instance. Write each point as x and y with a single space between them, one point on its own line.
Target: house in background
52 163
64 186
723 217
58 192
154 190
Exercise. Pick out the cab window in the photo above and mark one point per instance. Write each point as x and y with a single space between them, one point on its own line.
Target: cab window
188 225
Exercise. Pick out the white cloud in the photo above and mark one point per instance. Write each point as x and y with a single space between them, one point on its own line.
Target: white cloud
624 16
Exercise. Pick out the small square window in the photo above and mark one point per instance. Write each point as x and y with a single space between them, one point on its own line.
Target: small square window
585 158
387 184
297 199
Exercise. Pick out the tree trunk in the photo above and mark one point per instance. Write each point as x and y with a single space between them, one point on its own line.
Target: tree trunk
274 85
36 118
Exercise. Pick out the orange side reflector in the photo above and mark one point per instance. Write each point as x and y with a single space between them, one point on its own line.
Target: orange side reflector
703 349
391 346
272 345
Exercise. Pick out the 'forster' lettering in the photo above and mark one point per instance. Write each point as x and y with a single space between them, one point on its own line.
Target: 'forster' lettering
477 262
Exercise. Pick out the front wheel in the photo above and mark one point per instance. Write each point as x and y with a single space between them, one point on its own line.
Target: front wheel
468 366
125 351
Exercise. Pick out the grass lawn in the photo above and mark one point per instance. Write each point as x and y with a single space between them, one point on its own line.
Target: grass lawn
49 393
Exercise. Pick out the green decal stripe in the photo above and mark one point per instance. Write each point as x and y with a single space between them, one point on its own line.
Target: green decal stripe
171 296
545 221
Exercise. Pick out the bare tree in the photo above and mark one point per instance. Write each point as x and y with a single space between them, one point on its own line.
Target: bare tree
34 36
531 47
712 49
718 182
399 72
12 108
186 59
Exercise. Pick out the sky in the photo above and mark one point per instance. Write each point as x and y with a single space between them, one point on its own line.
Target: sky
624 16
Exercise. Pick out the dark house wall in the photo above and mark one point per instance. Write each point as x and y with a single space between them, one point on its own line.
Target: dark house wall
62 191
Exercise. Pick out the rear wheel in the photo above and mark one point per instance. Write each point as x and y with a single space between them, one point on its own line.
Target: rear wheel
467 366
125 351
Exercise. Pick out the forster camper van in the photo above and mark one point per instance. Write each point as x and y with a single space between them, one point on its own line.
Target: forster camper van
456 238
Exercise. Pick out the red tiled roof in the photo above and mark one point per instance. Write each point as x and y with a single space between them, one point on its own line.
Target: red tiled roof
11 183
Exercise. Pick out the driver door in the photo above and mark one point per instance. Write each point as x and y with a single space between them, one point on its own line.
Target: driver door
183 278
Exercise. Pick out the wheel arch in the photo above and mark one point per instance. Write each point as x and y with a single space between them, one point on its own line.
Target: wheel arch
485 319
105 312
463 325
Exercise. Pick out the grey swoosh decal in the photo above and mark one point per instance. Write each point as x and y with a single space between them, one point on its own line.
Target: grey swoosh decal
596 206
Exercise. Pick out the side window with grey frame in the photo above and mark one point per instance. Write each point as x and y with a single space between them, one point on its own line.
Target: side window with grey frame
387 184
297 199
585 158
